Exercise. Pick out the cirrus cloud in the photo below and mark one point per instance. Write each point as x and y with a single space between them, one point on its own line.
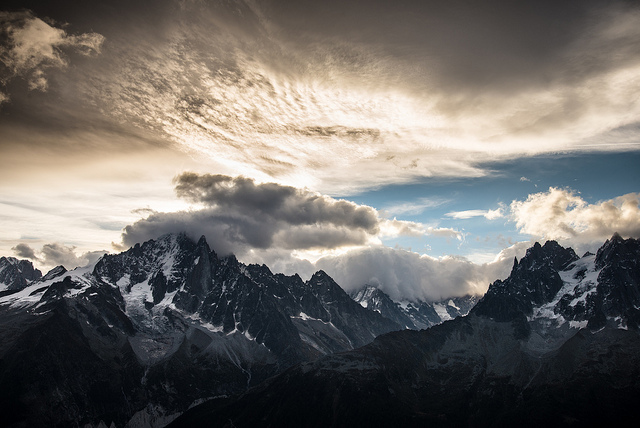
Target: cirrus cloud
340 106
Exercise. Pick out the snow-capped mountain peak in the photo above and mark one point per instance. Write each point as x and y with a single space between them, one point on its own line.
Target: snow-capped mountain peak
16 274
553 285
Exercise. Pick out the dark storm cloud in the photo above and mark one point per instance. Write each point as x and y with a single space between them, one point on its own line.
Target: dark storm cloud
25 251
54 254
242 214
283 203
239 234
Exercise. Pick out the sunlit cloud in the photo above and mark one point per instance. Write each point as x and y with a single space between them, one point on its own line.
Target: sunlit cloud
298 105
256 93
467 214
319 111
31 46
563 215
240 215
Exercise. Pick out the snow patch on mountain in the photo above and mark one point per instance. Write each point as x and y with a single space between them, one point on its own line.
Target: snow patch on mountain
34 292
580 280
441 310
413 315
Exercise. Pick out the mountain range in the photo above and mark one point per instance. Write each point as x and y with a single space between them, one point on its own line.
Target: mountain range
168 329
141 336
554 344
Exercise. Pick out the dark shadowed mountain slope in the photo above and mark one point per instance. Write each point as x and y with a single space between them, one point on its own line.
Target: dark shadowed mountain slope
520 358
16 274
144 334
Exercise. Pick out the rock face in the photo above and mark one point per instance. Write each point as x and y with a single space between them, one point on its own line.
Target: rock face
16 274
144 334
557 343
413 315
533 281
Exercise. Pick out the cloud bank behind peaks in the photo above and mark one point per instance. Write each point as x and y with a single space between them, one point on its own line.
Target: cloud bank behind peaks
239 215
405 275
55 253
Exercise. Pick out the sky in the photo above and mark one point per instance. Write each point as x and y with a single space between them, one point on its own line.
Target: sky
414 145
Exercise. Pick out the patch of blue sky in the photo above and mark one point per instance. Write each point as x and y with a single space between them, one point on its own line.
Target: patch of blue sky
435 202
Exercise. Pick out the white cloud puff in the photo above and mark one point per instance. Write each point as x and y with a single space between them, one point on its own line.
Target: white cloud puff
563 215
467 214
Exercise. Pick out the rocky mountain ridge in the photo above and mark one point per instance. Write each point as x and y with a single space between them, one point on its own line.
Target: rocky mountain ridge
16 274
557 343
144 334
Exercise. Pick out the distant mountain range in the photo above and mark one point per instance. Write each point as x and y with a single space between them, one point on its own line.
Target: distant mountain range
141 336
555 344
413 315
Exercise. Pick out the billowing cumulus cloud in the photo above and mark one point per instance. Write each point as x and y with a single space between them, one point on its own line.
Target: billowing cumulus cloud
298 231
563 215
558 214
338 97
240 215
30 46
271 201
